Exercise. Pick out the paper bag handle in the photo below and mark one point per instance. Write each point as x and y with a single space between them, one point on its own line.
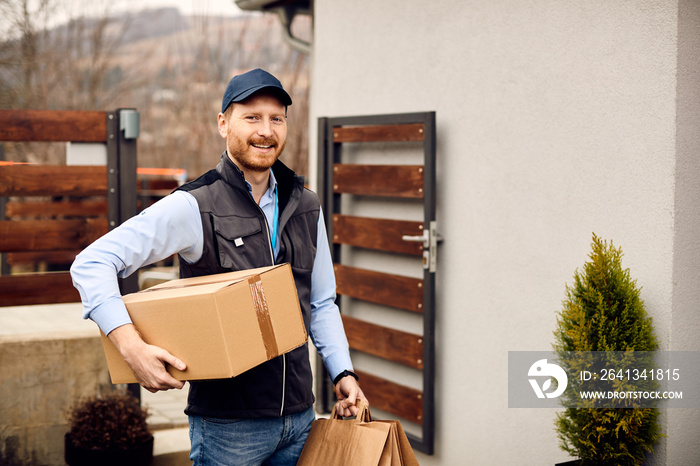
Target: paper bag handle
363 415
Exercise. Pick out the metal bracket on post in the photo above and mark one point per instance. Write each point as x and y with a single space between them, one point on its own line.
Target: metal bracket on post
129 122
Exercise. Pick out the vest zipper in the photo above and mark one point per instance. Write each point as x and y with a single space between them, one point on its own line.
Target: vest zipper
269 237
284 381
284 356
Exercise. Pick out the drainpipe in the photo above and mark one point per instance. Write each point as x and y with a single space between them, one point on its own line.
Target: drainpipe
286 10
286 15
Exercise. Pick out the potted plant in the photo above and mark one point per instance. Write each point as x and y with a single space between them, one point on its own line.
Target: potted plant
108 430
604 312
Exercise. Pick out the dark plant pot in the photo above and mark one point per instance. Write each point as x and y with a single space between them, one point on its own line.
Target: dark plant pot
139 455
569 463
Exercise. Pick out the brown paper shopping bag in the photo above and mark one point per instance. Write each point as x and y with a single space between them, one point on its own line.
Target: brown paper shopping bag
357 442
397 443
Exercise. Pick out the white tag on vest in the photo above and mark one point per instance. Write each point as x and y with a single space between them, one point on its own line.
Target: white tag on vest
238 242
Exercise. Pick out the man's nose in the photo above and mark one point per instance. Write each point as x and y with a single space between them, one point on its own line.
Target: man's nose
265 128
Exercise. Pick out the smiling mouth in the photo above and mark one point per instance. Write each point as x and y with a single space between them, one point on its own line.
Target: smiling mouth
263 143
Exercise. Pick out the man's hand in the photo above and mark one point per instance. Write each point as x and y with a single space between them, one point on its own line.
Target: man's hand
146 361
347 390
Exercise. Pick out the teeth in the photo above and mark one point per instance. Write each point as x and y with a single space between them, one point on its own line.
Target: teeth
261 146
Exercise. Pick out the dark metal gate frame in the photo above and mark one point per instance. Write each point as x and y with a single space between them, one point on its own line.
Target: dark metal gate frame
330 153
122 133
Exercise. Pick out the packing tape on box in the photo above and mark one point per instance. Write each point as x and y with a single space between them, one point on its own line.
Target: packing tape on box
263 313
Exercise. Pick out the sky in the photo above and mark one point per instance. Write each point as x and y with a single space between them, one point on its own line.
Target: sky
98 8
187 7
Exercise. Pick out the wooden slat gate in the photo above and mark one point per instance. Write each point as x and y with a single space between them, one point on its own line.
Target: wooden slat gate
378 192
93 199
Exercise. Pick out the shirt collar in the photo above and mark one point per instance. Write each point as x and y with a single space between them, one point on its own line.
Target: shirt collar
269 195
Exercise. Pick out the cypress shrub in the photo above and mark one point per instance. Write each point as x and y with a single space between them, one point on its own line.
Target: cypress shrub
604 312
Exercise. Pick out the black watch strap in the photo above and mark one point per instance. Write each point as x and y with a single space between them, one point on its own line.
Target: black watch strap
344 374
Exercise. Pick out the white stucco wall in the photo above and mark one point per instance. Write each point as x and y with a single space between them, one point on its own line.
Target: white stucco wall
555 120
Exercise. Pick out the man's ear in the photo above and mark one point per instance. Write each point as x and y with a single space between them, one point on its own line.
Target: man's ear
222 125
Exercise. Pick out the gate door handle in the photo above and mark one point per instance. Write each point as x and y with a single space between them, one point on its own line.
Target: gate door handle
424 238
430 238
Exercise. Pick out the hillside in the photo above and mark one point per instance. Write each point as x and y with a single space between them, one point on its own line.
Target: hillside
172 68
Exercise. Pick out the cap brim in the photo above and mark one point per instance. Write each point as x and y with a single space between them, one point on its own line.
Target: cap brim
280 93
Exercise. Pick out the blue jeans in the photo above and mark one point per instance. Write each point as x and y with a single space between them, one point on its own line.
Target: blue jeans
239 442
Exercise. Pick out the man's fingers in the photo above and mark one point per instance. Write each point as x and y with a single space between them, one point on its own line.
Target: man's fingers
165 380
160 381
350 400
146 361
150 369
172 360
352 410
348 392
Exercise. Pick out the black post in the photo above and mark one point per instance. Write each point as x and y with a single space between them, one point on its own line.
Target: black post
4 266
324 387
127 136
122 133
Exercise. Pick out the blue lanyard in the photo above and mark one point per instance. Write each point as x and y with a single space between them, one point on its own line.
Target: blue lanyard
274 225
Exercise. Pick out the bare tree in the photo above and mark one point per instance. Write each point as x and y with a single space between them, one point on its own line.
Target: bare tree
172 69
66 66
180 130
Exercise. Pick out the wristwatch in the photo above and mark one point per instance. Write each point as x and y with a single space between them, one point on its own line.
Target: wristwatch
344 374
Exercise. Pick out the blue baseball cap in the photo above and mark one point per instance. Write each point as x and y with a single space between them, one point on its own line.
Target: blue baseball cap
244 85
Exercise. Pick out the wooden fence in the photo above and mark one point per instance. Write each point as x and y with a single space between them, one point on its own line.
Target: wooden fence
50 212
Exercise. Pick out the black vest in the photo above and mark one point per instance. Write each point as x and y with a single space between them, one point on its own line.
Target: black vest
282 385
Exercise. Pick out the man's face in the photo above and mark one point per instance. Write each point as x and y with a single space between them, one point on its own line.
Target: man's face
255 131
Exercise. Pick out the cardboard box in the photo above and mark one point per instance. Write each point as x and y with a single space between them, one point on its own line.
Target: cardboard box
219 325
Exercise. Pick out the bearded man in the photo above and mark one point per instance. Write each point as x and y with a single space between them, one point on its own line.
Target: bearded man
250 211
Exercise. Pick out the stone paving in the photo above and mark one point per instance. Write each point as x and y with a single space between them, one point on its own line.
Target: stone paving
168 422
167 408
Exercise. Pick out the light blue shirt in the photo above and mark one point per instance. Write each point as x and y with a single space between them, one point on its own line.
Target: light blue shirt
173 225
